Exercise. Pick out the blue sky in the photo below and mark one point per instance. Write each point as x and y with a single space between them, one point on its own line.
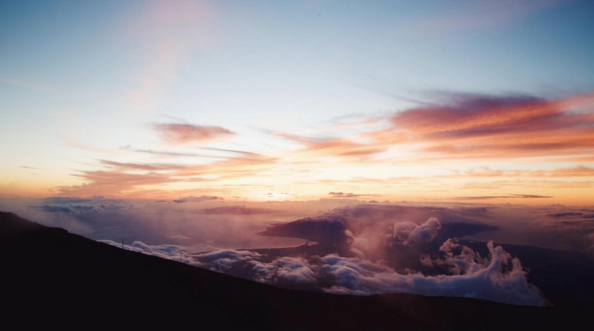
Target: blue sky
96 75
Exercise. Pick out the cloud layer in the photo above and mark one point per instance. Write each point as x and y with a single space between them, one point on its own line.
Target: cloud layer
481 278
372 237
498 277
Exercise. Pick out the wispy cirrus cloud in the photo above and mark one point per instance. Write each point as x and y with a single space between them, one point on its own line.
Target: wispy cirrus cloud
169 32
184 133
341 147
113 183
27 167
471 126
533 184
174 154
350 195
578 171
128 178
510 196
478 126
87 148
251 164
460 127
486 172
481 14
142 166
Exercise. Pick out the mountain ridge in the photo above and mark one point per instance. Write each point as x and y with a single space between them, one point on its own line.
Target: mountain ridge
64 276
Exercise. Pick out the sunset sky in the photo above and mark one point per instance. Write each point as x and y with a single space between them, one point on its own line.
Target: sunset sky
457 101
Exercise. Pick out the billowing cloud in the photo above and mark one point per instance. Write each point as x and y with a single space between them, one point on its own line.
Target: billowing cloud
498 277
183 133
283 271
373 224
406 232
170 252
481 278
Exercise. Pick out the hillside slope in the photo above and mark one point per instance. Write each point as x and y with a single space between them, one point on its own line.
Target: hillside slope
51 276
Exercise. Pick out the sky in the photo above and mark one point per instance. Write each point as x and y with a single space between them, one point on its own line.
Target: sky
388 146
422 101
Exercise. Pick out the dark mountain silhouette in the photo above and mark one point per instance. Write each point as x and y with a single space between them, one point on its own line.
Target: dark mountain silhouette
55 278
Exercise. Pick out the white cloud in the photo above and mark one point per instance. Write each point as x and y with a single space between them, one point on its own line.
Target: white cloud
477 278
498 278
407 232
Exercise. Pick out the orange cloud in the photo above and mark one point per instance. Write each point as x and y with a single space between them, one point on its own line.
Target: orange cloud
473 127
497 127
141 166
249 165
510 196
579 171
468 127
112 183
334 146
128 178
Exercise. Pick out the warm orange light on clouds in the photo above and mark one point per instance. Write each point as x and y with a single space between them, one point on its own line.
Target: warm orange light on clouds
477 148
200 107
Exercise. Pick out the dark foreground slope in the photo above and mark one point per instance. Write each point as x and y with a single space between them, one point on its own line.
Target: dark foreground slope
52 277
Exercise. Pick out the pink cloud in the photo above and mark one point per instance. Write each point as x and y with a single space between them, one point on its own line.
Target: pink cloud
180 134
476 126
